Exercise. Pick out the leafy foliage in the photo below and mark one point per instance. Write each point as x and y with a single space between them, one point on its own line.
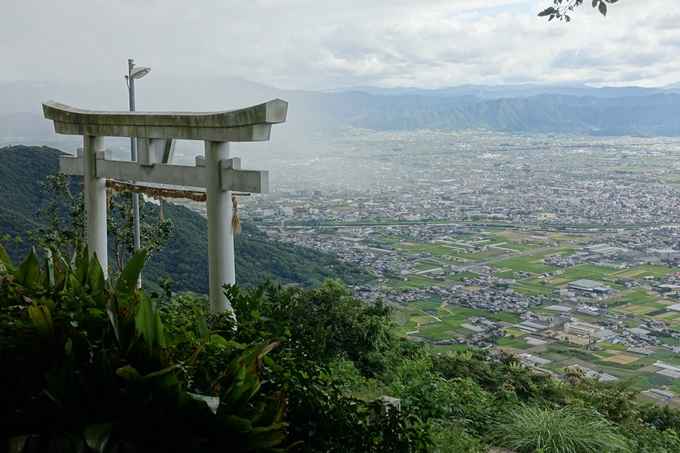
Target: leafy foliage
662 418
563 7
64 232
614 400
505 376
451 437
646 439
307 324
85 367
437 399
154 232
362 333
92 361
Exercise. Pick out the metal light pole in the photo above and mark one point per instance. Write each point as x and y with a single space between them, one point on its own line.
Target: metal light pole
135 73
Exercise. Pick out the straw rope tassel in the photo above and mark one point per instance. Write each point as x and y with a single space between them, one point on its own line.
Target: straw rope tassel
160 201
235 222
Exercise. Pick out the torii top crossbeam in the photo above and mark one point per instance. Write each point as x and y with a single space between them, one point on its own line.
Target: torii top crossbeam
155 133
250 124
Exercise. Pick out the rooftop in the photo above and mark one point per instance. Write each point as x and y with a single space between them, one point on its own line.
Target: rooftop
586 283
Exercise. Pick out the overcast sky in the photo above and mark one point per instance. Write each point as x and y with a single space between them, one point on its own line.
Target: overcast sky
323 44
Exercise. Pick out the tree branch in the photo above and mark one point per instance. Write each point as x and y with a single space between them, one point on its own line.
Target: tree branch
562 8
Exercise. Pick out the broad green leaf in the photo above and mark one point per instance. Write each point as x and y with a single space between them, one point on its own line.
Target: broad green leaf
28 271
201 326
128 373
49 259
82 267
603 8
269 361
237 424
4 257
108 377
266 437
16 444
165 383
595 2
164 372
76 287
97 436
97 313
213 402
273 412
218 340
160 335
41 317
148 322
114 316
60 389
128 278
547 12
95 275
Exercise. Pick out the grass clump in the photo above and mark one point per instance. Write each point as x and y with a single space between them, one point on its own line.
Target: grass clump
570 429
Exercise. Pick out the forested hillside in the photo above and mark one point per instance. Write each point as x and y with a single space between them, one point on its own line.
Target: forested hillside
185 258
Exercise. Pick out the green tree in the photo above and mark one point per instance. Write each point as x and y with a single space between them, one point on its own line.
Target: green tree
154 232
65 216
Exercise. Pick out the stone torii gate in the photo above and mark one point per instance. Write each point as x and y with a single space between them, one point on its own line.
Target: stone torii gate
156 133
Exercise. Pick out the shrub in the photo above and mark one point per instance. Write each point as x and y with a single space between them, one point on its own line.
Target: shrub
647 439
570 429
614 400
317 330
434 398
450 437
505 376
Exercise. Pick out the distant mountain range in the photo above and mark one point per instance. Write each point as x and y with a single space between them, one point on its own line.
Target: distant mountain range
580 109
185 259
651 115
515 91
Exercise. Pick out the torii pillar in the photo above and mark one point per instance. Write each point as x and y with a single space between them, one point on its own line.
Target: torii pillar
221 264
156 132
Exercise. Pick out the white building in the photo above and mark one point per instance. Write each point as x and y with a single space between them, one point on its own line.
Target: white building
667 254
582 328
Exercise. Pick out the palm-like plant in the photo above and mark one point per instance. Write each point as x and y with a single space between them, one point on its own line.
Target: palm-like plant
95 374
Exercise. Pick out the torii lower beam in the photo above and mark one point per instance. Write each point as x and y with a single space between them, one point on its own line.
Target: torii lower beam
217 172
